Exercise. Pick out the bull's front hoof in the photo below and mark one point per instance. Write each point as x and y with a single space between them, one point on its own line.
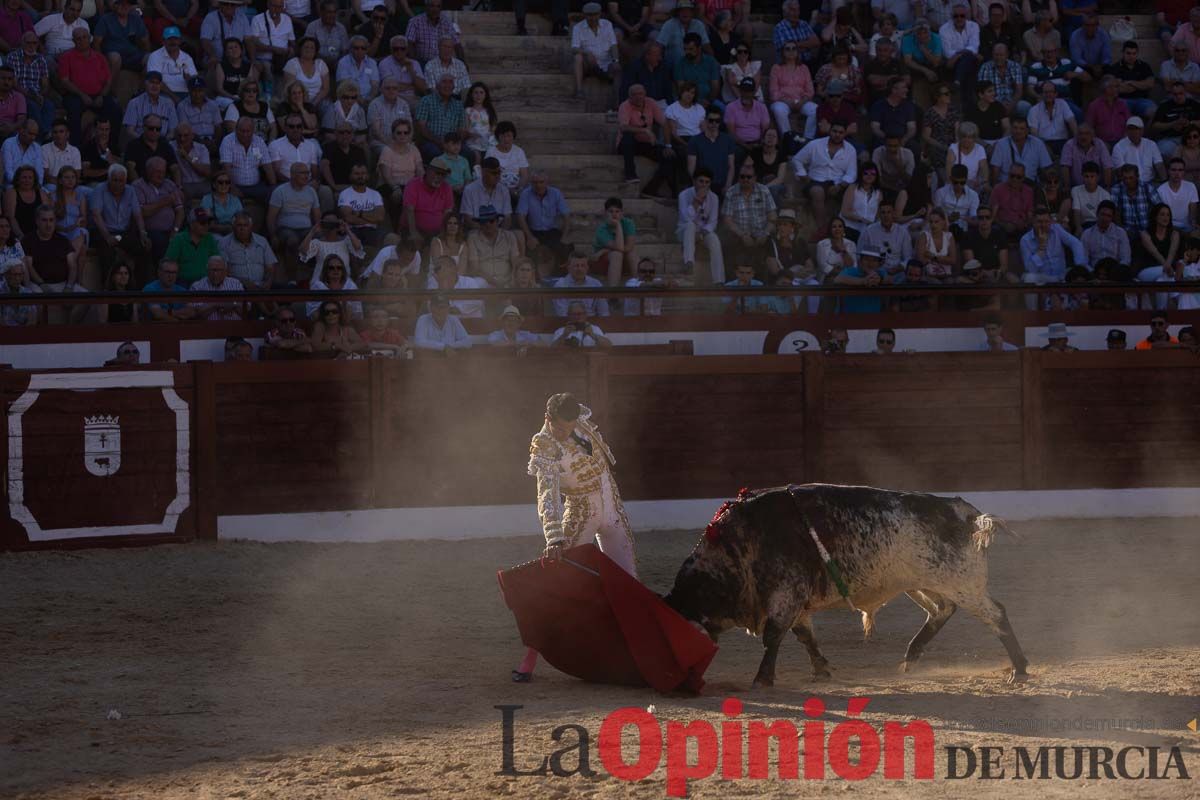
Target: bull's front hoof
906 666
822 675
762 683
1014 677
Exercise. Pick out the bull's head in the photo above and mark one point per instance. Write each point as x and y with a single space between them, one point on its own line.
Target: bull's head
708 586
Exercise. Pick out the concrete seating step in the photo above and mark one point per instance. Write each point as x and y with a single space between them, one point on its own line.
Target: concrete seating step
503 23
484 49
506 85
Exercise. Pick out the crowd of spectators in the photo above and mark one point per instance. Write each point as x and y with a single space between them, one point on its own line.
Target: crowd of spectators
937 142
345 146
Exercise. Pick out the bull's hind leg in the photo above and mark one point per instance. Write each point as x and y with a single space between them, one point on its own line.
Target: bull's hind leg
939 610
992 614
772 637
804 632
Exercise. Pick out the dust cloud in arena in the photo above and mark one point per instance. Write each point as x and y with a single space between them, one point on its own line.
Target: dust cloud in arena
364 671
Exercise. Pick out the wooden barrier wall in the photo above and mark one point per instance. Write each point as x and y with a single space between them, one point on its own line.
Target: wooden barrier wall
331 435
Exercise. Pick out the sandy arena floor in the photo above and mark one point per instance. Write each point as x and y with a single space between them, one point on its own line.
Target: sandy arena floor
371 671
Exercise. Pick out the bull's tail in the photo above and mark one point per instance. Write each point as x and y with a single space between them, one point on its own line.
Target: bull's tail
986 528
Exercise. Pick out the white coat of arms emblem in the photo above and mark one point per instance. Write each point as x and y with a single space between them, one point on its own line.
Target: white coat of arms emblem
102 445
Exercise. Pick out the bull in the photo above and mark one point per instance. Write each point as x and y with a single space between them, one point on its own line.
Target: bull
760 566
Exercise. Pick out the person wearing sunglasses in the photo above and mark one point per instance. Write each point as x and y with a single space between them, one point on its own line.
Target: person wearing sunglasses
734 73
332 333
1160 334
960 48
151 144
127 355
715 150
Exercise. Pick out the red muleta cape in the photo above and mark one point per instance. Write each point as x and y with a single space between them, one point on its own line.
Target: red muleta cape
591 619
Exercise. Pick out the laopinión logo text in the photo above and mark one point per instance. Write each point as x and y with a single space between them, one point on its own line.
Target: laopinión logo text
735 749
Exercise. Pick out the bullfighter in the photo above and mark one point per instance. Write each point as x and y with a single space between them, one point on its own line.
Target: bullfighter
577 495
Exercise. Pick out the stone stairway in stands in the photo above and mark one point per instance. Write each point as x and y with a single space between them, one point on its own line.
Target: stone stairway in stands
531 82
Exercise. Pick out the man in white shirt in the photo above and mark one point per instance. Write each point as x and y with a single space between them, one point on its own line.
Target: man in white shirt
960 48
959 201
59 152
1105 239
889 238
824 168
1138 150
445 278
594 44
291 148
1052 120
1187 269
993 332
439 330
579 332
699 213
577 278
361 206
175 66
647 278
56 30
1180 195
272 37
1087 197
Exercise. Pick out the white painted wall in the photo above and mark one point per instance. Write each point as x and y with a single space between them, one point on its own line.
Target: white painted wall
475 522
69 355
209 349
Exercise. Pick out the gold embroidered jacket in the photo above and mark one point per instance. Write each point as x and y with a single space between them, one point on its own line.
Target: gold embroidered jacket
566 468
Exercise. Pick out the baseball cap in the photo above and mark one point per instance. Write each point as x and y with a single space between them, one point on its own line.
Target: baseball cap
1135 122
746 83
1115 335
441 164
154 75
196 82
200 214
172 32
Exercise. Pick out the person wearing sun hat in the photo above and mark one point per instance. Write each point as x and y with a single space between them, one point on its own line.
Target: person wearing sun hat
509 334
1058 335
175 66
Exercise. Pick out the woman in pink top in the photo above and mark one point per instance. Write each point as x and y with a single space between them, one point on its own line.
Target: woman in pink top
792 87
